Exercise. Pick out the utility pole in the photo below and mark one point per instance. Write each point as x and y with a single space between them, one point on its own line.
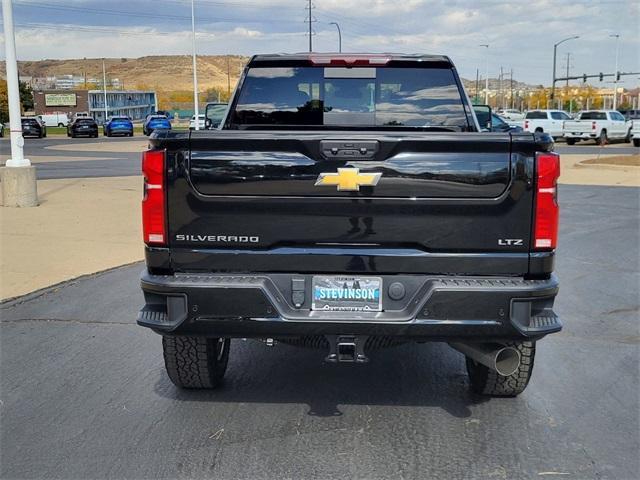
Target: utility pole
511 88
568 60
228 76
615 82
486 72
555 51
195 70
310 7
500 89
339 36
475 100
104 90
18 176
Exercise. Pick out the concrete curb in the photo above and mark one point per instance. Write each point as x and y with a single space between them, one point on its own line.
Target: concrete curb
27 297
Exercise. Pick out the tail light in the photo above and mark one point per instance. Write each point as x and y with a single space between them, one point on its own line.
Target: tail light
593 125
526 124
546 208
154 228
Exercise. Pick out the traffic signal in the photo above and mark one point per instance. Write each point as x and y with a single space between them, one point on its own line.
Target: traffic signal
584 78
617 76
601 76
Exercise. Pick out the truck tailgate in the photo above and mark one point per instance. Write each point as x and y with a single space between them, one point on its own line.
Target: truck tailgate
253 195
578 126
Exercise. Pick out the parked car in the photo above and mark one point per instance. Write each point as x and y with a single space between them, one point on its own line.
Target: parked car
155 122
33 127
285 225
630 114
57 119
510 114
598 125
78 115
82 127
545 121
635 132
499 125
214 113
118 126
166 113
192 122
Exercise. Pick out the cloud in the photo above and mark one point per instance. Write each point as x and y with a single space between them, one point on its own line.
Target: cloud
520 34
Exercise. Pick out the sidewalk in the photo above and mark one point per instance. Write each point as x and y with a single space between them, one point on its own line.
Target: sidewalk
81 226
575 171
86 225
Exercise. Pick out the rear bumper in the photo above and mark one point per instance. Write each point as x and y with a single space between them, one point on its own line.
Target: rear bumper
433 308
581 135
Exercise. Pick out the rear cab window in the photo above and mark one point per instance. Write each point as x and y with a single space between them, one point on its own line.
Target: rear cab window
593 116
536 115
381 97
560 116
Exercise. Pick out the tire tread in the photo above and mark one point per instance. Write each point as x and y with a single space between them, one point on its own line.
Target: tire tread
192 362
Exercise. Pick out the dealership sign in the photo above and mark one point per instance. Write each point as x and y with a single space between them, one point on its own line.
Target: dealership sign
60 99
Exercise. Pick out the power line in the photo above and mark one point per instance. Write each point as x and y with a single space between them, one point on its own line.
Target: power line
119 13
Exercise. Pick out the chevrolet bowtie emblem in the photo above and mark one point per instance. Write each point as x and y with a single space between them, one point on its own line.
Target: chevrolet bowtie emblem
348 179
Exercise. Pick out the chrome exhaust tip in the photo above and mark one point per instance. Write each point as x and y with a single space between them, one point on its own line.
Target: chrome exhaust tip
504 360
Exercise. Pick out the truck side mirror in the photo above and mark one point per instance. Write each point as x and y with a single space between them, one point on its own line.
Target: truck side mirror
208 124
483 114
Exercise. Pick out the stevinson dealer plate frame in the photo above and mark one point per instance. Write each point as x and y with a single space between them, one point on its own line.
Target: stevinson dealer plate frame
346 294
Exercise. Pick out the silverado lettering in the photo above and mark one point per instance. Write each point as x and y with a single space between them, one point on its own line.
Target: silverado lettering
217 238
380 213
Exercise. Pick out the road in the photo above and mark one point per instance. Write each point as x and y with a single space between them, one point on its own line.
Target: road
84 393
122 164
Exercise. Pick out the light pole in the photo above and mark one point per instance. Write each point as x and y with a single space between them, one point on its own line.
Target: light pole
555 50
615 81
339 36
18 176
195 72
104 89
486 79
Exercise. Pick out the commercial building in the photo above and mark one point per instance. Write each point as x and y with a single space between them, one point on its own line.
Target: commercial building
134 104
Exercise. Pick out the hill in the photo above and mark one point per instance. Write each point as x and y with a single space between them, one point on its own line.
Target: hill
161 73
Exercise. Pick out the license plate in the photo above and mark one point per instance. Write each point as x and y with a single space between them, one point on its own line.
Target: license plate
347 294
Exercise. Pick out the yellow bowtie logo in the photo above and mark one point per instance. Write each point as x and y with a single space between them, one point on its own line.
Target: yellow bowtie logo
348 179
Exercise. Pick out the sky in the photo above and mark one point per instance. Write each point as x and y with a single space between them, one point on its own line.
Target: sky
520 34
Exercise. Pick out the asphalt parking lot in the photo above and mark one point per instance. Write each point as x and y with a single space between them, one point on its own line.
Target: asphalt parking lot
121 164
84 393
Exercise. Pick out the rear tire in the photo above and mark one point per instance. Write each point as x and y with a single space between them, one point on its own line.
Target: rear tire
636 142
571 141
195 362
486 381
539 130
602 139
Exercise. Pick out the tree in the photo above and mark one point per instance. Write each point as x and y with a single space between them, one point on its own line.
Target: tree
4 102
26 97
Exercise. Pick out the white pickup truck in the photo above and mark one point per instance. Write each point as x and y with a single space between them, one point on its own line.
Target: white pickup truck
598 125
545 121
635 132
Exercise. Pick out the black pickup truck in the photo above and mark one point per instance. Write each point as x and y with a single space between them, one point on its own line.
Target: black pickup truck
350 202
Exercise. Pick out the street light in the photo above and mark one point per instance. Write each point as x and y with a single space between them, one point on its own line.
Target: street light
486 78
339 36
615 82
195 73
18 176
555 49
